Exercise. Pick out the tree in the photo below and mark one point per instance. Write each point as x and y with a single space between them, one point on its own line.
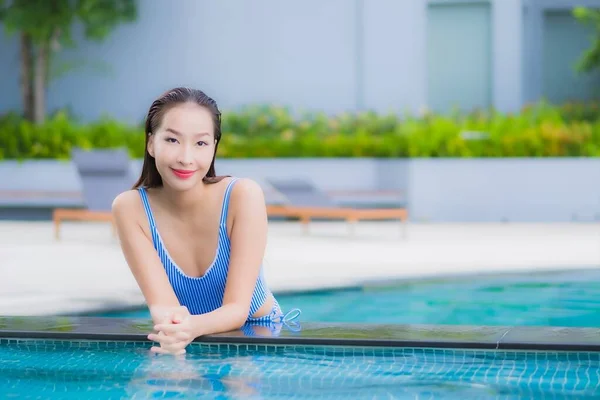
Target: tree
590 60
44 27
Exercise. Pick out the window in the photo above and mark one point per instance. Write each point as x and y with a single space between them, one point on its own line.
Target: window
459 65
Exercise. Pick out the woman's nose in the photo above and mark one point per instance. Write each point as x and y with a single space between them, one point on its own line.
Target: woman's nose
185 156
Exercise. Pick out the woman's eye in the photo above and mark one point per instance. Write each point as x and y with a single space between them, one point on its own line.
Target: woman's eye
171 140
202 143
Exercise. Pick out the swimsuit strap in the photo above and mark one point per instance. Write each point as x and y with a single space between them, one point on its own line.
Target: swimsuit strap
147 209
225 207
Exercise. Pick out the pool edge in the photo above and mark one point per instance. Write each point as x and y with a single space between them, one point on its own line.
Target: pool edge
521 338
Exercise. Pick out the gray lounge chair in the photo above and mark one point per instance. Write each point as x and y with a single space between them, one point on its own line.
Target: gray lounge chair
302 192
104 173
306 201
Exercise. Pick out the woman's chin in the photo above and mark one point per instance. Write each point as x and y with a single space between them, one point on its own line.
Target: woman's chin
182 185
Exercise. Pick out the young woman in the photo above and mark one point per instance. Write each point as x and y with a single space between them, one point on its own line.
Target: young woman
193 241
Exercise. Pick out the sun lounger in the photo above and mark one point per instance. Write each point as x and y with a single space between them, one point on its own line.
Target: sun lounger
306 201
104 174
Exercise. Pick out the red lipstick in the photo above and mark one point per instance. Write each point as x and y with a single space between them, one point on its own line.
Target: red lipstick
182 173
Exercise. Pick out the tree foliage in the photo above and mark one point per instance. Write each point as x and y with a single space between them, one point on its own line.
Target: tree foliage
590 60
44 27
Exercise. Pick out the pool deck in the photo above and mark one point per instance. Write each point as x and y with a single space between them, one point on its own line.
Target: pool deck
85 271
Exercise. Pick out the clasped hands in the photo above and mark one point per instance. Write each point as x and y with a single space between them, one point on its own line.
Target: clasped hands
174 330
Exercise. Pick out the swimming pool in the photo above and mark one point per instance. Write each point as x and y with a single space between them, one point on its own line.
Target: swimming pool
102 358
102 370
543 299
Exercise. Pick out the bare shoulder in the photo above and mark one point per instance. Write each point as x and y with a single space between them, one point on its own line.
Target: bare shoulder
126 204
247 194
246 189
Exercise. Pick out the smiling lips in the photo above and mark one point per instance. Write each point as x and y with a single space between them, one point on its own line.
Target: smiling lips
182 173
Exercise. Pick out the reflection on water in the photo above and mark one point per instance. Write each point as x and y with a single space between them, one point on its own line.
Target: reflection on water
190 375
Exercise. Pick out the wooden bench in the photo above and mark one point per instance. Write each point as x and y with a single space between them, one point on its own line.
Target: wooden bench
67 214
50 199
351 215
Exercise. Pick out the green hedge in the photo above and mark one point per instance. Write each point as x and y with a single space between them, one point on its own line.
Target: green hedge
537 131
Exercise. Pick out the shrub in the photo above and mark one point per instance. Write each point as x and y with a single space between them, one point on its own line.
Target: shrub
539 130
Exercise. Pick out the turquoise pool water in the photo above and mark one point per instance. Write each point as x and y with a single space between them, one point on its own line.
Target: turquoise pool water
555 299
113 370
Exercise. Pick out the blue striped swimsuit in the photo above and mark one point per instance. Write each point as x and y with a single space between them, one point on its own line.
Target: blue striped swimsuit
205 293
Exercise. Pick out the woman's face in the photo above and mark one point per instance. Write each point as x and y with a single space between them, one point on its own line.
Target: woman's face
183 146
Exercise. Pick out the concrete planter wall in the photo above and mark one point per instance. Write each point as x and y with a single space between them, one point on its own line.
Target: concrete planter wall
523 190
435 190
332 174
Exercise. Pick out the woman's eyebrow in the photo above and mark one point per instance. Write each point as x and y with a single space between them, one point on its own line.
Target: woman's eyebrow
173 131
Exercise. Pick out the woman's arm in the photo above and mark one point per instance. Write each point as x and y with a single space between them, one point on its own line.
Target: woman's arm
141 256
248 243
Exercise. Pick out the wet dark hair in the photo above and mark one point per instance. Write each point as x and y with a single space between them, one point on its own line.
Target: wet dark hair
150 177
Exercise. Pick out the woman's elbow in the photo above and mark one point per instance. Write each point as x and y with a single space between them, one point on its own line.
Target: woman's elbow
240 316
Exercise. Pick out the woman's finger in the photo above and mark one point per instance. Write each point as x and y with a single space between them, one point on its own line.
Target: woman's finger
175 348
172 343
169 329
161 350
158 350
163 339
179 318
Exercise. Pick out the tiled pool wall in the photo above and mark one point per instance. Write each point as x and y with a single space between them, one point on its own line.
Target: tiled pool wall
85 331
66 366
454 355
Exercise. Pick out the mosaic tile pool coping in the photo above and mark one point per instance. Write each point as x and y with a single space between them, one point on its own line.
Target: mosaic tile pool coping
339 334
